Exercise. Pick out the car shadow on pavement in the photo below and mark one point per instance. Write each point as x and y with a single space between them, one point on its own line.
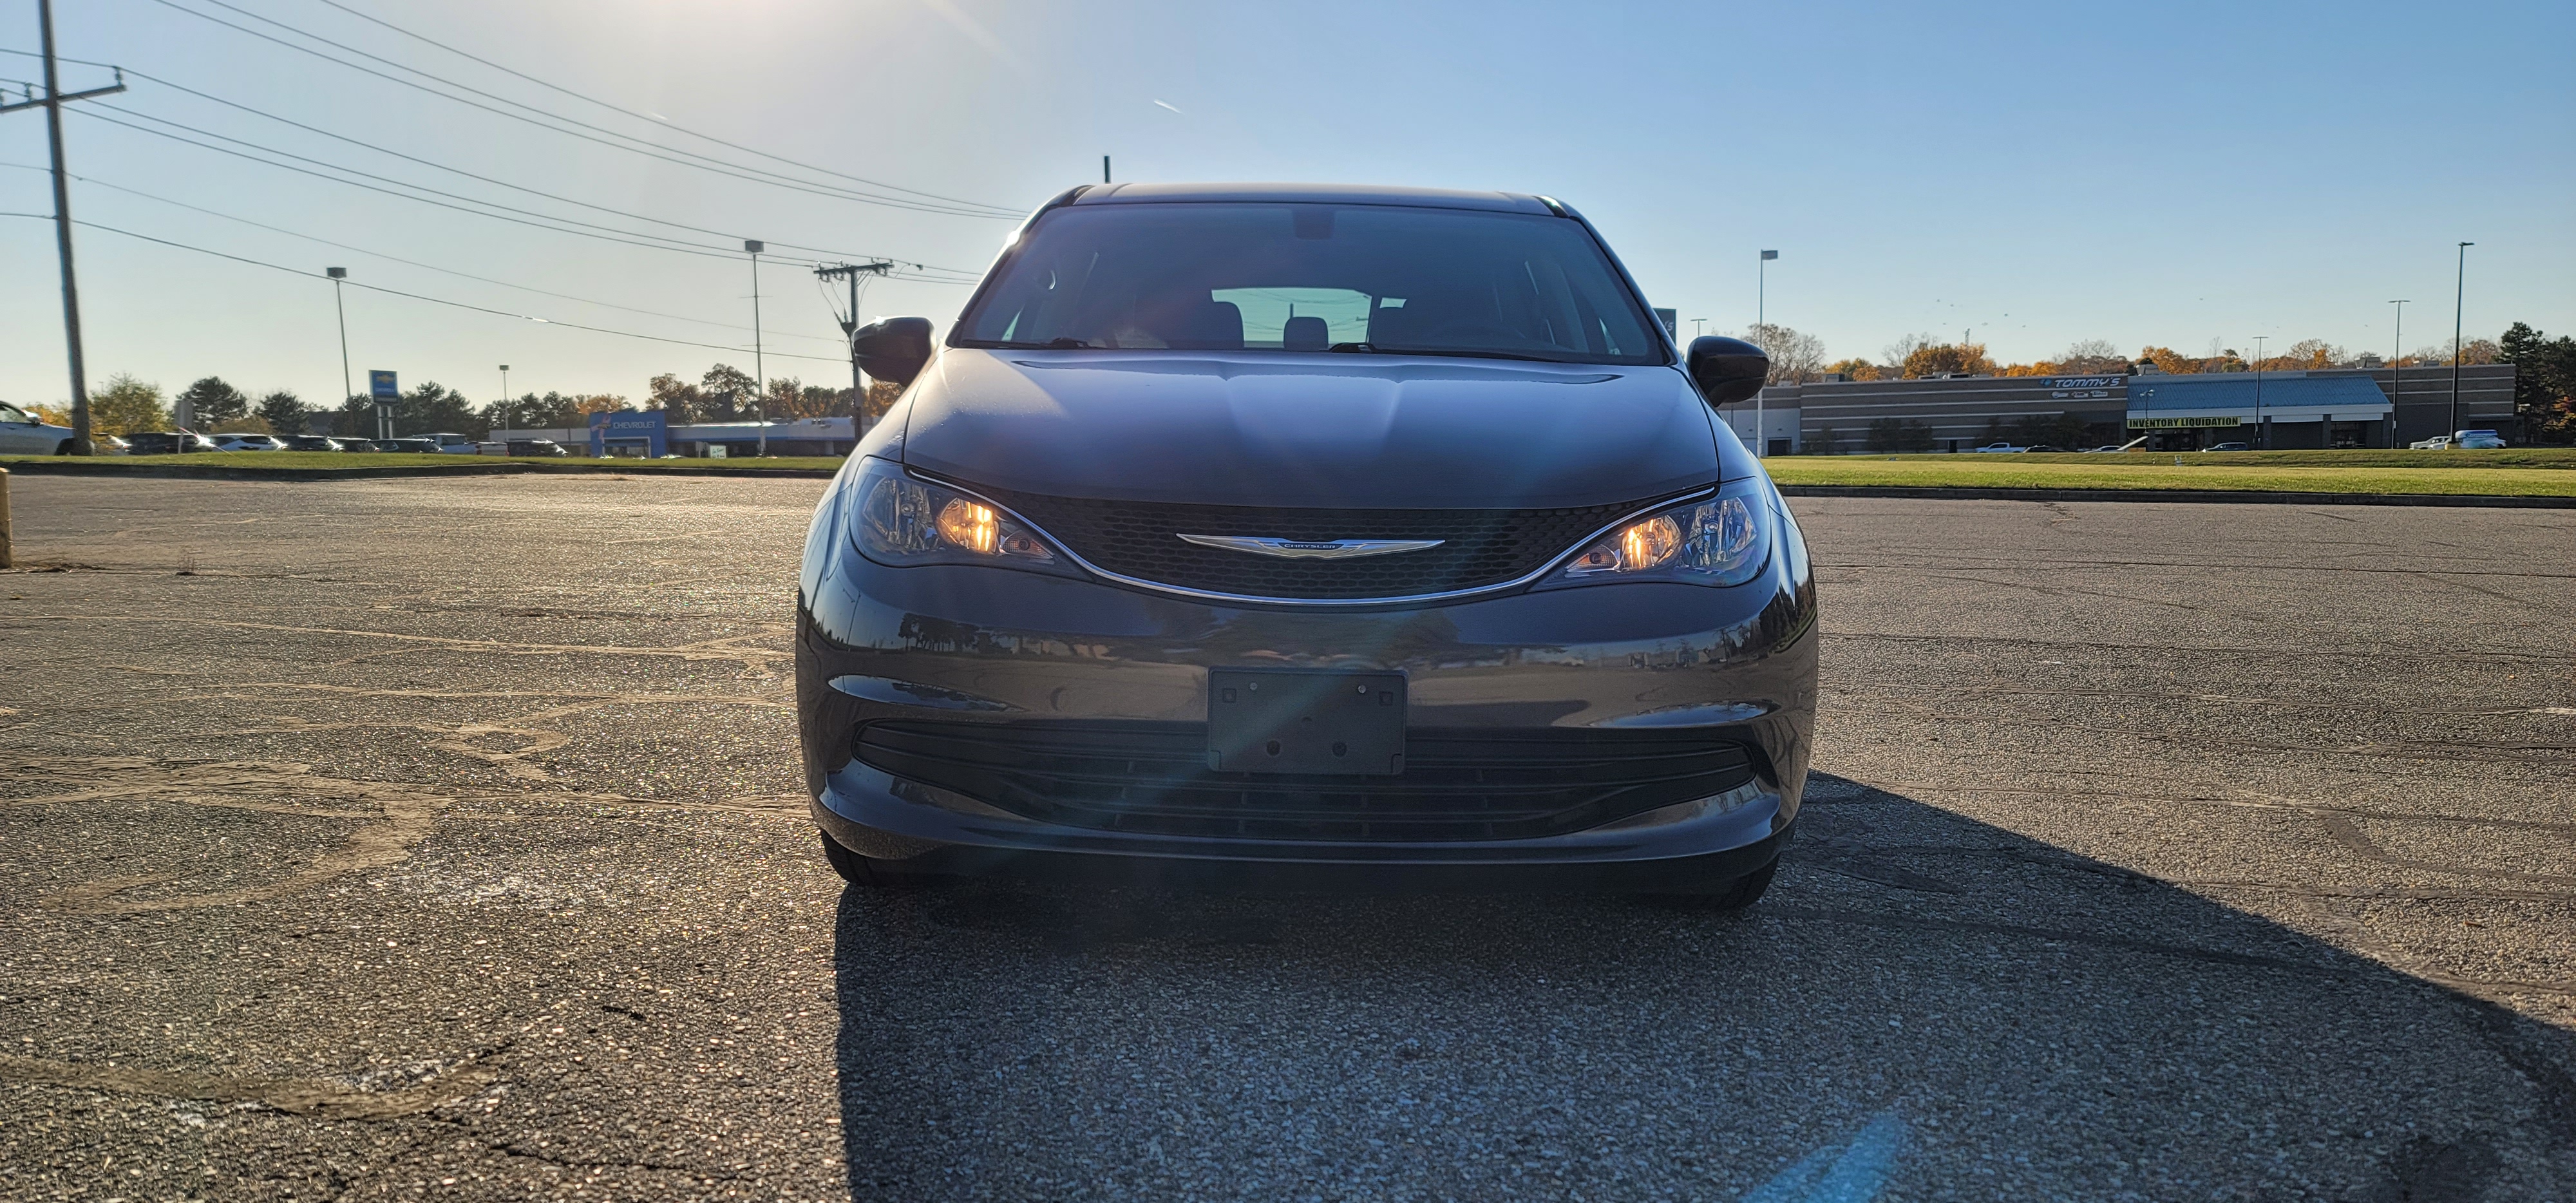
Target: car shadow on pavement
1925 1006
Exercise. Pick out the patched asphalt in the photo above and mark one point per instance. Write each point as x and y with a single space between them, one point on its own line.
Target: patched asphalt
441 838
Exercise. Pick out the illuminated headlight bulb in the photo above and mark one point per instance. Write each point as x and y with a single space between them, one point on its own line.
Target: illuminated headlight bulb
969 526
1648 543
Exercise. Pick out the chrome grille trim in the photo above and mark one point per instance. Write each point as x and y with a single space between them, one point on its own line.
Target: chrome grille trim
1334 603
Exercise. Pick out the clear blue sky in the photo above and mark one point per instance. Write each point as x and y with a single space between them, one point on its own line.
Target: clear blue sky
2038 173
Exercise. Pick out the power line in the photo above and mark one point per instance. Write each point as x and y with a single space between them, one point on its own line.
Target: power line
396 292
391 258
430 163
640 146
551 86
660 243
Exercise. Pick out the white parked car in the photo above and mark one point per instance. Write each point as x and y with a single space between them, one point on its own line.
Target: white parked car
2001 448
247 442
2476 440
2439 442
22 434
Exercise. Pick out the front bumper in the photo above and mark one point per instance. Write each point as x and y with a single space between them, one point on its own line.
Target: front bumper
967 644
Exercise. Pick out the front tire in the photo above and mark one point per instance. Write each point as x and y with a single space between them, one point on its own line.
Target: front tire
867 872
63 448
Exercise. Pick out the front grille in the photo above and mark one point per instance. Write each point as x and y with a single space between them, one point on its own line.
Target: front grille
1458 784
1479 547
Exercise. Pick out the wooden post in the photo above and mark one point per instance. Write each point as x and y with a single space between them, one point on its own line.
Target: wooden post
5 561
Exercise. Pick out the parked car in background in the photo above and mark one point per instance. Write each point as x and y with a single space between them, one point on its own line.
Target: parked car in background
108 444
541 448
2001 448
312 442
21 433
415 446
248 442
2439 442
450 443
2228 447
2477 440
363 445
165 442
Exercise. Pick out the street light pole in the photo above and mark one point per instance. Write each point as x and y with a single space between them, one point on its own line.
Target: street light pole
2261 431
505 410
1761 286
348 388
2396 369
2458 352
760 374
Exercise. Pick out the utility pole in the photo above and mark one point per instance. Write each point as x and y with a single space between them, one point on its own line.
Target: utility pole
505 411
1104 169
2458 352
53 104
759 373
850 330
338 274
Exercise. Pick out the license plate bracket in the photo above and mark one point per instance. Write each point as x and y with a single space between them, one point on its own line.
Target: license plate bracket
1306 721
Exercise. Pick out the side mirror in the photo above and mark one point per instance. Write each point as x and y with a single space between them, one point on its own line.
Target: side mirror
894 349
1727 370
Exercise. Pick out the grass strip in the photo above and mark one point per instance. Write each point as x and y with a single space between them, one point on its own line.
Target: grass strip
2161 472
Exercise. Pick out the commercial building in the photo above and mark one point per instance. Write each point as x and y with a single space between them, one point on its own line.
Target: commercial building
2282 410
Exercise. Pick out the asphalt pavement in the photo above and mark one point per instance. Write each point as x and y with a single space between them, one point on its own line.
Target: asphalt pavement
441 839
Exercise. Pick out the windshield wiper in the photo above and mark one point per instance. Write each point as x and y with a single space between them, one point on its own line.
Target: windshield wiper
1374 349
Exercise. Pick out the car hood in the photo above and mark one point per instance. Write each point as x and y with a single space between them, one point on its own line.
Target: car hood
1320 430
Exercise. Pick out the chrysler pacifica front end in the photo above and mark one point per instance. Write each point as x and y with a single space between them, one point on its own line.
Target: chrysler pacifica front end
1305 535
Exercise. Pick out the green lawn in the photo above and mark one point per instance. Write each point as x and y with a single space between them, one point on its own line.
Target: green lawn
306 460
2546 471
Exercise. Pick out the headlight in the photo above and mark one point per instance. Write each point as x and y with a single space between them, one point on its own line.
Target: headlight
1721 540
902 522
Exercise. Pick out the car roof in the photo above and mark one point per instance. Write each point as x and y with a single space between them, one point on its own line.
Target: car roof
1337 194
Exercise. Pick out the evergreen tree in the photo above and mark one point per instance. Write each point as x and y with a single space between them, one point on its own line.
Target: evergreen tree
211 402
283 411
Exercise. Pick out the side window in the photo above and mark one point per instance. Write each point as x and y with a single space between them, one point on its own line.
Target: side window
11 413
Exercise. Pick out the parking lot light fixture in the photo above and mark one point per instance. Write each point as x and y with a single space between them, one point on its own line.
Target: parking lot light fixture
2261 431
338 274
2459 353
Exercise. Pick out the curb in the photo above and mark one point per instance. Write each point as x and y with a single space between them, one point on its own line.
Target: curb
71 466
2192 496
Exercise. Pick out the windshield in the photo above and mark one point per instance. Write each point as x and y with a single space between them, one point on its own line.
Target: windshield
1312 277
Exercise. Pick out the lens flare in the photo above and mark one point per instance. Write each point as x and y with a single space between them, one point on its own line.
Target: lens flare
970 526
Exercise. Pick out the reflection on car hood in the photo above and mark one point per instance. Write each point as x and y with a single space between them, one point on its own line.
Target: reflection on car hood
1358 431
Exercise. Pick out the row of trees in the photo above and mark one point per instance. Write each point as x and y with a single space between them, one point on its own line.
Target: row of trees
1798 357
127 405
2544 389
2544 381
2544 385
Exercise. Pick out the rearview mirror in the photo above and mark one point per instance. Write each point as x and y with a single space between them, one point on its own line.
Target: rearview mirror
894 349
1727 370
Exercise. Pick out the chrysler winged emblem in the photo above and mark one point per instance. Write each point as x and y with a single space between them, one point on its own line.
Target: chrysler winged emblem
1311 549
